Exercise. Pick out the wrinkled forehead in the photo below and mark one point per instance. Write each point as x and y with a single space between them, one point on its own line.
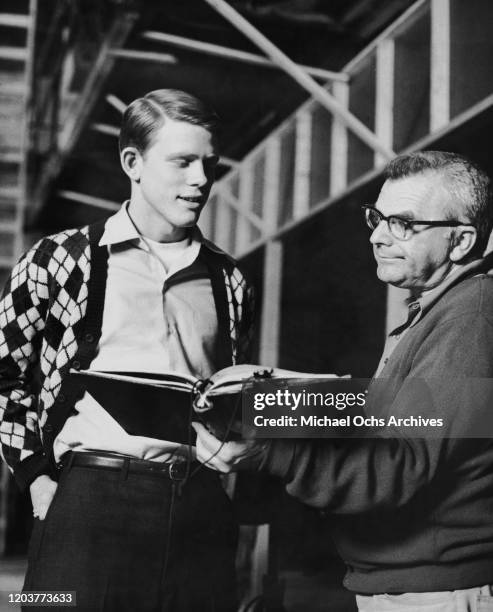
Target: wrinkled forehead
419 196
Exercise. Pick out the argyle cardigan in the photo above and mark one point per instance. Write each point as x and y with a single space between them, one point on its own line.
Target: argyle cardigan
50 321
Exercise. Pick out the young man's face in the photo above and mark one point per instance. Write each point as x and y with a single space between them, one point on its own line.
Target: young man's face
422 261
172 180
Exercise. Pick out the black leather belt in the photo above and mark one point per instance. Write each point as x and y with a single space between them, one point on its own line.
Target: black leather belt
174 470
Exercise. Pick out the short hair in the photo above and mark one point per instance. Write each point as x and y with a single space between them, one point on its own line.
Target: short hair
465 181
146 115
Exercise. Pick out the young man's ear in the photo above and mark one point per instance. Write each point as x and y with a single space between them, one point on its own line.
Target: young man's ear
463 242
131 161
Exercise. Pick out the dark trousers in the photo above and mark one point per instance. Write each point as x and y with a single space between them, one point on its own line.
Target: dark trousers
126 541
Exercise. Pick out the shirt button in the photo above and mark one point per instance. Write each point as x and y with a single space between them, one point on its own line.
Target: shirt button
89 338
414 306
61 398
76 365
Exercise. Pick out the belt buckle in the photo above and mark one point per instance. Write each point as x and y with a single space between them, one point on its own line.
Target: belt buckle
175 471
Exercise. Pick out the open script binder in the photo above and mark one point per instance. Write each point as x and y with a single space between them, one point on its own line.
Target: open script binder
227 381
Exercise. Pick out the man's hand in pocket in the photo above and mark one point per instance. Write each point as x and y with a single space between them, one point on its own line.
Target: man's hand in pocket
42 492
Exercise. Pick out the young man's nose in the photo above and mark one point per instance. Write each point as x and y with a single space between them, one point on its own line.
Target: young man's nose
197 174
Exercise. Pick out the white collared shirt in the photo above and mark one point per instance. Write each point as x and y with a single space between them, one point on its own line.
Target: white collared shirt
147 326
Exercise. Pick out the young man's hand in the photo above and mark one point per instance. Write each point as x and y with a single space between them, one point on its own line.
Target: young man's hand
228 456
42 492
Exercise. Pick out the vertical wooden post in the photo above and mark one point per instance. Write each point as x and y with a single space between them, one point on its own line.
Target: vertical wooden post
245 196
222 229
440 64
384 128
302 162
300 76
339 146
19 241
269 332
384 107
270 325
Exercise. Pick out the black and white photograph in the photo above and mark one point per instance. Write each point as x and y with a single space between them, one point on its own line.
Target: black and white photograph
246 305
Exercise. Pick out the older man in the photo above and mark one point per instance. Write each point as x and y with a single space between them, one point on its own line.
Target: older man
117 520
412 514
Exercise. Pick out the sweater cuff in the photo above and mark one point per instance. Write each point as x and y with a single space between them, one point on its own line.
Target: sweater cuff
26 471
279 458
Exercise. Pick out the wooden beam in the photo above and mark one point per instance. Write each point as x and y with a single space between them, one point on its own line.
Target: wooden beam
94 83
222 191
116 103
18 54
384 105
223 222
10 157
412 13
301 77
23 200
146 56
83 198
237 55
272 282
6 263
270 208
339 144
440 64
427 142
104 128
14 20
245 194
14 87
227 161
9 226
383 14
302 162
9 193
270 327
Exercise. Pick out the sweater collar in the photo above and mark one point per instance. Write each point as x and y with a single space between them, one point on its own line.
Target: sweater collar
420 306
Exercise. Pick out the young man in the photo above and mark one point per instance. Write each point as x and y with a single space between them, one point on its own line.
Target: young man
121 517
411 508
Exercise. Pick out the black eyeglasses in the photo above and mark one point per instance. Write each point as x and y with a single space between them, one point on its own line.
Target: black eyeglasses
400 228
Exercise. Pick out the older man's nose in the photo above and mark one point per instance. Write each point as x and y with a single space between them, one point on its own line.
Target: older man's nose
381 234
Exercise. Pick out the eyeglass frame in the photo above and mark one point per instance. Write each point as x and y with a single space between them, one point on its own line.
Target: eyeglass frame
407 223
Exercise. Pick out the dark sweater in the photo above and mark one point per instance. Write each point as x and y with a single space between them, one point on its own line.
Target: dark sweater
409 514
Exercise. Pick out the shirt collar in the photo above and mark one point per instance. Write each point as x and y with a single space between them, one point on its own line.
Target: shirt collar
417 308
119 228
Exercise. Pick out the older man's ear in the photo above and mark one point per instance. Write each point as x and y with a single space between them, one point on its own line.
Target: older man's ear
463 241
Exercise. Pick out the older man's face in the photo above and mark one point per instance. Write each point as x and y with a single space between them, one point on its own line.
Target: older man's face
422 262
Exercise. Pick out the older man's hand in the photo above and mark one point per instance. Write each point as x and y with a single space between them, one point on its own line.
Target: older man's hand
228 456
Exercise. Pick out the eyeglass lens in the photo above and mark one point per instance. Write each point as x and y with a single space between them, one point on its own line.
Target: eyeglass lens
397 226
